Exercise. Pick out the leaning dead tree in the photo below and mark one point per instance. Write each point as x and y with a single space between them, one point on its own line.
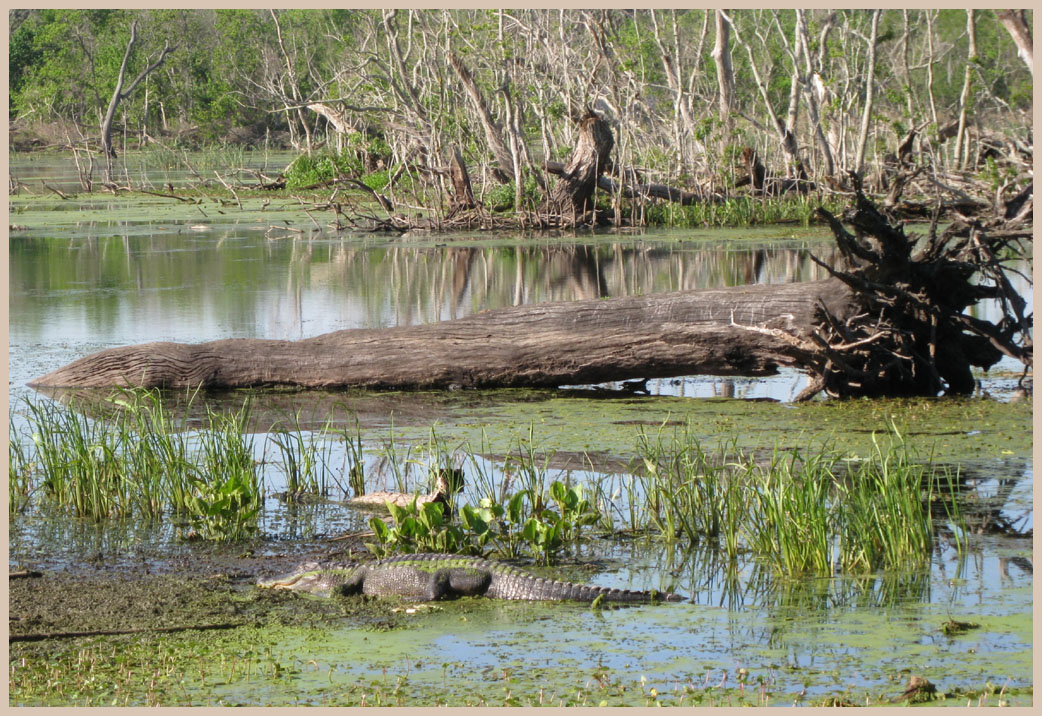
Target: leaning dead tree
120 93
891 321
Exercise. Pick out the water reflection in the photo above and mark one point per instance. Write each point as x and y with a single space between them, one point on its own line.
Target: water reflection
242 285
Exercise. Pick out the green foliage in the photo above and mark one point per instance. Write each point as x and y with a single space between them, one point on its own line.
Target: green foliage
502 196
376 181
23 54
224 510
813 513
356 470
538 520
134 460
19 474
691 494
368 143
743 211
418 529
997 175
312 169
514 528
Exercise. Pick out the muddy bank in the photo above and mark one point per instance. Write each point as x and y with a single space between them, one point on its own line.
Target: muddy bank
211 587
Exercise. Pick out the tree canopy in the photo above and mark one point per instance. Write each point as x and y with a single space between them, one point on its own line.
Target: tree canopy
243 75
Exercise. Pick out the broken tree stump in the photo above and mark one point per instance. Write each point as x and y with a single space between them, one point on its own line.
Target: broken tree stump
573 195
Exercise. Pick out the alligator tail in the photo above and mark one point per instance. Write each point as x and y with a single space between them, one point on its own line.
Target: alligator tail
513 583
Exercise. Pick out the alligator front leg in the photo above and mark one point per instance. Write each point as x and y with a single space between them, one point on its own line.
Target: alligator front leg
467 581
353 584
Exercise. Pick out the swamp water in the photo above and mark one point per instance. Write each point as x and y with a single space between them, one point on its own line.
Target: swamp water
112 272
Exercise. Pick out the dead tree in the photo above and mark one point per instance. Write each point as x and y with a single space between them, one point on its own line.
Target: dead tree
504 171
573 195
119 94
462 193
1016 23
764 185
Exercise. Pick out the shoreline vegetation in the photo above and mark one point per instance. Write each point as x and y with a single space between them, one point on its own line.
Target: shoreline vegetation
642 118
803 511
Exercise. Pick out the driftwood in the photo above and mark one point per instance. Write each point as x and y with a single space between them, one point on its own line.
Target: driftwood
448 481
729 331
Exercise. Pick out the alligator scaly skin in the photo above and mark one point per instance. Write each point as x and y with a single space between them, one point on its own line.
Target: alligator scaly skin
439 576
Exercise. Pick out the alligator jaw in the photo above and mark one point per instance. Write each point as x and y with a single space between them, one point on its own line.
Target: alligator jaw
280 582
297 581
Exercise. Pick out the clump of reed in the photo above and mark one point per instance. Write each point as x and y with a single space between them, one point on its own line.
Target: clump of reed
801 512
306 456
131 457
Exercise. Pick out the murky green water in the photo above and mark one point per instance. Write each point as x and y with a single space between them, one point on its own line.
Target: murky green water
87 274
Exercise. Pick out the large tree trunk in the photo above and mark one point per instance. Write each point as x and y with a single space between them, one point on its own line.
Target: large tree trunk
721 54
730 331
1016 23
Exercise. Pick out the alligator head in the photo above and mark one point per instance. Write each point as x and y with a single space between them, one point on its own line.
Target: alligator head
310 578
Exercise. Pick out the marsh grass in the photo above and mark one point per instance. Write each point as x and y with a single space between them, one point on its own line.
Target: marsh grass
20 473
801 512
227 493
82 465
788 512
305 456
135 459
354 460
691 494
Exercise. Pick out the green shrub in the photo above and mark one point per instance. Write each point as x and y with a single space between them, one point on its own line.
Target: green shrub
309 170
376 181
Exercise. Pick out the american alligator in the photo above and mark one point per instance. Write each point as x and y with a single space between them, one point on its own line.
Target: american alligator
427 577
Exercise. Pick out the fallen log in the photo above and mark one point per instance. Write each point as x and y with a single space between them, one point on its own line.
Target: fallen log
746 330
637 189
